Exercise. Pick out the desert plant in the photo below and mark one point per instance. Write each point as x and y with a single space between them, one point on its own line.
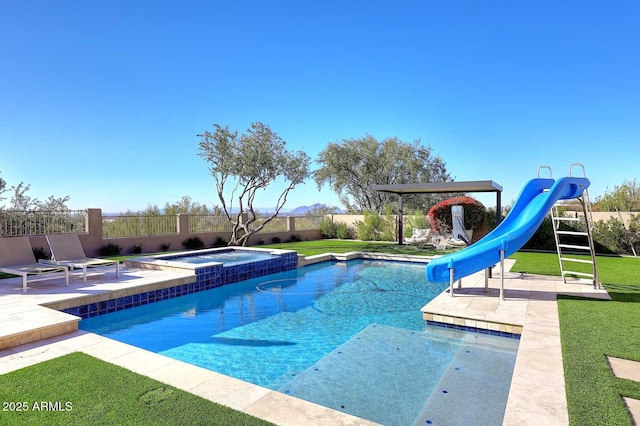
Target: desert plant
343 231
612 236
110 249
276 240
328 228
165 246
417 219
376 227
295 238
137 249
193 243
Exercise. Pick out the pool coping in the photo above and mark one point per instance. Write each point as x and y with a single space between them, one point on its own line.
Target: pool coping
537 390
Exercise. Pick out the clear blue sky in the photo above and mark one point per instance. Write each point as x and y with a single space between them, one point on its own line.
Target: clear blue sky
497 88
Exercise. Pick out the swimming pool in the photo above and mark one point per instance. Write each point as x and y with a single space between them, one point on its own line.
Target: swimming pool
347 335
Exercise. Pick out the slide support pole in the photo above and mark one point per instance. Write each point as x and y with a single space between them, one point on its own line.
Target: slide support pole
487 271
451 282
501 274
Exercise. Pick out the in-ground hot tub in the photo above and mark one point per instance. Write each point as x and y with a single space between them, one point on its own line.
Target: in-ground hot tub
220 266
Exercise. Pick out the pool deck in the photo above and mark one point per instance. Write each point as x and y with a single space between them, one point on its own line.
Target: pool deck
31 332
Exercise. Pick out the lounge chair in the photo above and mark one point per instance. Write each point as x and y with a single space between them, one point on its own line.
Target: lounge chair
419 237
66 250
17 258
442 242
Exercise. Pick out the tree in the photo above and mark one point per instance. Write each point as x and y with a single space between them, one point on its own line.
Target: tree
3 184
242 165
350 168
35 216
624 198
184 205
21 201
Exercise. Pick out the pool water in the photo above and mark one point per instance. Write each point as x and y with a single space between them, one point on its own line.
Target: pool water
347 335
228 258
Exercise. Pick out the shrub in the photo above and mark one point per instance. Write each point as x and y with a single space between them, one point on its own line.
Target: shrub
543 238
442 220
39 253
220 242
165 246
328 228
193 243
137 249
276 240
343 231
376 227
417 219
295 238
612 236
110 249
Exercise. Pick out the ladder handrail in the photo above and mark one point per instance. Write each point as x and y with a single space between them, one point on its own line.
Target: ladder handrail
584 171
545 167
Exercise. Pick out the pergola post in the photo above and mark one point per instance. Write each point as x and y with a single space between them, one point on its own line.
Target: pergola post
400 221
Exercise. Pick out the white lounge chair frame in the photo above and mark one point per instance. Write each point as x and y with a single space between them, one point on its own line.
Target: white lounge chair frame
67 250
17 258
419 237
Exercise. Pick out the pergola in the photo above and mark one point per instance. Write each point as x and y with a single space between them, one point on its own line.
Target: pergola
440 187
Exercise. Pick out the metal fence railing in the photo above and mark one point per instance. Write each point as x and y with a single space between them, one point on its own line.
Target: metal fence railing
277 224
138 226
209 223
14 223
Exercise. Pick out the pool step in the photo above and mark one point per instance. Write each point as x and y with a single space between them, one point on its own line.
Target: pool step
394 394
477 379
24 324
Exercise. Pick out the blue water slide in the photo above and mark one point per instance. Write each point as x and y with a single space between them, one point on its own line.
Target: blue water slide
532 205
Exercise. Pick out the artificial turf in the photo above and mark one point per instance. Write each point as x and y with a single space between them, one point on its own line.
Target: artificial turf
78 389
590 331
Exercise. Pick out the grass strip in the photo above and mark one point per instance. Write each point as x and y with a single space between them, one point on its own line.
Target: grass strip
78 389
310 248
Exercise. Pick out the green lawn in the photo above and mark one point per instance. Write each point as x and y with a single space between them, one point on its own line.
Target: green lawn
81 390
310 248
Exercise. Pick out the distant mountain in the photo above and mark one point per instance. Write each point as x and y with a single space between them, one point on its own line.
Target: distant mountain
303 210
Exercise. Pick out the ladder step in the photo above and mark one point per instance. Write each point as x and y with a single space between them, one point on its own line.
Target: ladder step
583 274
574 247
567 205
573 233
570 259
569 219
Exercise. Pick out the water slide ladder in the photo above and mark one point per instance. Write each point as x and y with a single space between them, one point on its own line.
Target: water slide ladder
578 239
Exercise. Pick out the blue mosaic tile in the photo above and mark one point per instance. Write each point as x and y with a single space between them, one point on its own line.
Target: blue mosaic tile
476 330
206 278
